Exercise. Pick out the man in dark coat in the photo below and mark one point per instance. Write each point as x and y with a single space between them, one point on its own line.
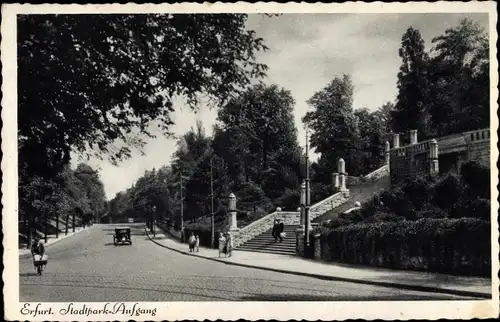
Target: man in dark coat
275 230
281 229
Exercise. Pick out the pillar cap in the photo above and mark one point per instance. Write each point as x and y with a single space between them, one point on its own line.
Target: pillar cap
434 141
232 196
278 209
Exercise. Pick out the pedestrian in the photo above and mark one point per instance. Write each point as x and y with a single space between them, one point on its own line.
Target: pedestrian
191 242
197 244
38 251
222 243
229 245
275 230
281 230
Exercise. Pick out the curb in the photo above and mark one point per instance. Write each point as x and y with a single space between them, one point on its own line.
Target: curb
420 288
56 241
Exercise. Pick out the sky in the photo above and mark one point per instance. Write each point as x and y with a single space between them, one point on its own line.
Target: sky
306 52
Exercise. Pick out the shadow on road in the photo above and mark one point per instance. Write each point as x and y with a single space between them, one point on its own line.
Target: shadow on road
28 274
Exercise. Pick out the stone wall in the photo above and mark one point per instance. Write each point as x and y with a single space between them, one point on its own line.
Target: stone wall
478 143
413 160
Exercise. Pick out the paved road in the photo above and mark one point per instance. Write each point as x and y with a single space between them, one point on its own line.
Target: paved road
87 267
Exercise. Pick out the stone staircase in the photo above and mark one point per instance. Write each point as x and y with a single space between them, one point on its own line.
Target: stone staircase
361 193
264 243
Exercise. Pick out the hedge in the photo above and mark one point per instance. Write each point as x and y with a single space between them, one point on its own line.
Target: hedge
453 246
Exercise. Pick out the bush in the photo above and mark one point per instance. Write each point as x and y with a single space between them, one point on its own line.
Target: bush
448 191
478 208
397 201
418 191
477 178
289 200
431 211
455 246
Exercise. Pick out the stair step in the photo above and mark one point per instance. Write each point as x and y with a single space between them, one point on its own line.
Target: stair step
267 251
268 246
268 242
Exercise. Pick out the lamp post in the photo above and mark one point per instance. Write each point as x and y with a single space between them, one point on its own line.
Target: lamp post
182 213
307 204
212 219
153 209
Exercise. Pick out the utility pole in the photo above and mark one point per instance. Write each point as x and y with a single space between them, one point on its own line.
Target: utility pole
182 213
307 242
212 222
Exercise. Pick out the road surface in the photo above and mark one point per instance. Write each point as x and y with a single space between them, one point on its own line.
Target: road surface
87 267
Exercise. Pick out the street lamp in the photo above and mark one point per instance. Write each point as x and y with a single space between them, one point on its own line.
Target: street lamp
308 201
212 219
153 209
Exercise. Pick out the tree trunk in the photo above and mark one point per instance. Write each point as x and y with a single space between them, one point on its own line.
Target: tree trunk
45 228
67 222
57 225
73 221
30 231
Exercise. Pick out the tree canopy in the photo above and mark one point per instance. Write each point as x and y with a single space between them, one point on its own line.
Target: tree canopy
89 81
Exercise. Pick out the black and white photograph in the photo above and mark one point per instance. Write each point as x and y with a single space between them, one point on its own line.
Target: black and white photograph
250 161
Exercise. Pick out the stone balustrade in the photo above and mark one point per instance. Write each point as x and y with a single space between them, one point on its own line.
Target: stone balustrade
379 173
328 204
478 135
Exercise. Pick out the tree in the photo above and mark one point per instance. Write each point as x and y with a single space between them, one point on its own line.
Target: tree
384 116
370 138
99 79
460 78
333 124
410 111
260 138
93 187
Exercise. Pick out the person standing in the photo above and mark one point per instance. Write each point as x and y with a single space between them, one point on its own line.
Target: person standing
222 243
191 242
229 245
197 244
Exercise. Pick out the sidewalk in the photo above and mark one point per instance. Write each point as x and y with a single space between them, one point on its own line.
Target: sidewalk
418 281
51 240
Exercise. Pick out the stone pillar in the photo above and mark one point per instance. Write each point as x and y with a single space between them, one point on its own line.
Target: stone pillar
434 157
299 241
413 137
342 175
387 152
396 141
317 247
233 225
336 183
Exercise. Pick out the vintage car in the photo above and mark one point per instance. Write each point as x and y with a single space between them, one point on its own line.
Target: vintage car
122 236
